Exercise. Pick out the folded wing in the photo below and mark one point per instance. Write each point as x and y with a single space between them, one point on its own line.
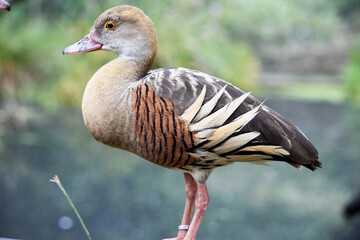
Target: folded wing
229 124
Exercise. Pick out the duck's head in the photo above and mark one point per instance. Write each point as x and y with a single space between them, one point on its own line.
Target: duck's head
4 5
125 30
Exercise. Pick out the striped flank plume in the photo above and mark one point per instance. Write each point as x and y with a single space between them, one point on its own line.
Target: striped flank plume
159 134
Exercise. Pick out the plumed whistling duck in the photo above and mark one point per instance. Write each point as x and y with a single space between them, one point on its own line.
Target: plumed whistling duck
4 5
178 118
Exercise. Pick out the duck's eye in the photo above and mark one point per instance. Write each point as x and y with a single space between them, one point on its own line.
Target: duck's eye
110 25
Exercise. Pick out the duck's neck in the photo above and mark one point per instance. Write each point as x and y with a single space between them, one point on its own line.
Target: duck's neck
122 70
107 101
139 51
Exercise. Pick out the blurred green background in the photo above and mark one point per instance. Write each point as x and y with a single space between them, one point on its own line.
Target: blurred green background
302 56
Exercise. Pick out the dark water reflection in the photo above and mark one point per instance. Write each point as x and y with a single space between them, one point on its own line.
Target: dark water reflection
121 196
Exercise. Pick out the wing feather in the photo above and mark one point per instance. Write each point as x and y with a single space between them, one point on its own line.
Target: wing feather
221 133
209 106
190 113
220 116
233 143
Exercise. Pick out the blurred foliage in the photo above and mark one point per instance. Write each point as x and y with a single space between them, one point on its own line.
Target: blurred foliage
34 70
310 92
219 38
279 21
352 73
350 11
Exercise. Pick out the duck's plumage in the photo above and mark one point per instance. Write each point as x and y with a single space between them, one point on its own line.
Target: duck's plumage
178 118
264 135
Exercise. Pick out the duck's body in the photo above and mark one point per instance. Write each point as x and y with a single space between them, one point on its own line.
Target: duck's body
178 118
4 5
144 116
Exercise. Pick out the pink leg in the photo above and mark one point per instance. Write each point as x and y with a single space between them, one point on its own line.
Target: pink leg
202 201
190 193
